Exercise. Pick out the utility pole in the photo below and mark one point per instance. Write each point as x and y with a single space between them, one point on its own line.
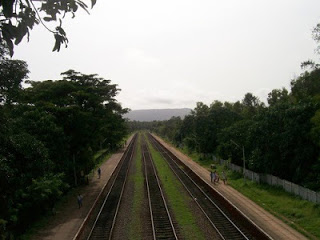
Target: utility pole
74 170
244 163
102 143
243 157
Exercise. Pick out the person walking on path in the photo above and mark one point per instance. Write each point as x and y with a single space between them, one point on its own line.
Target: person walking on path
79 198
224 177
99 173
216 177
212 176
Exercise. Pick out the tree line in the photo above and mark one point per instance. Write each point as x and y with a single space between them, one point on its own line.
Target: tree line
281 138
49 133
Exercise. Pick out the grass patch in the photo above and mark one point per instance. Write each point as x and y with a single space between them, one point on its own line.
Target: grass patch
106 156
135 229
177 200
99 153
302 215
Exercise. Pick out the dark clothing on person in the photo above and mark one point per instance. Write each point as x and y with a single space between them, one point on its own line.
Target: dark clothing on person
216 179
212 176
79 198
224 177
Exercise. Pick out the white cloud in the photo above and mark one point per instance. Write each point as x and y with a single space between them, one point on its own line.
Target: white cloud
138 58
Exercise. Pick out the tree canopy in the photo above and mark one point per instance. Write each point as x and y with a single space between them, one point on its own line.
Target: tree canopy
281 138
49 133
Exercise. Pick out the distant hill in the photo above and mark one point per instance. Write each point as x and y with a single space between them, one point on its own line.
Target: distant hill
148 115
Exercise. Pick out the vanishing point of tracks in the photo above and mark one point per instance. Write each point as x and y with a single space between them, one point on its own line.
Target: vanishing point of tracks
216 214
161 222
162 225
226 222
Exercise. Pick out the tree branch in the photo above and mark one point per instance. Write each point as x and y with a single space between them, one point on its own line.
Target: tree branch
40 19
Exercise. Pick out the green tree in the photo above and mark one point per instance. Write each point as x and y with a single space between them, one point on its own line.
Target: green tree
284 139
44 126
278 95
187 132
306 86
238 133
85 108
251 105
49 136
12 73
201 127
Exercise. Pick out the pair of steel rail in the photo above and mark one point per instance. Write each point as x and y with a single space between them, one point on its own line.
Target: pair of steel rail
220 217
160 219
105 221
224 226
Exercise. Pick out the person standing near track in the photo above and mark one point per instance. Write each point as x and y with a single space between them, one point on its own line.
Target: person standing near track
212 176
224 177
99 173
79 199
216 177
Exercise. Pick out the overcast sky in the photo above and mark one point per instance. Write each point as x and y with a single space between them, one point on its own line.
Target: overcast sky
174 53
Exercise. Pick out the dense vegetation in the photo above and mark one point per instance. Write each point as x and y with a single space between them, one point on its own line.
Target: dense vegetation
49 133
280 139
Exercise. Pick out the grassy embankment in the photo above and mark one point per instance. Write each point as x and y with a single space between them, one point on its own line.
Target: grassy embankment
99 158
177 199
135 228
301 215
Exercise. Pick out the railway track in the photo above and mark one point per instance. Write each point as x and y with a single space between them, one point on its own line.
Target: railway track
221 216
162 224
104 223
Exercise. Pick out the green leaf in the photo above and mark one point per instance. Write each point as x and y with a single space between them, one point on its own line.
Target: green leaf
8 8
61 31
47 19
57 43
83 6
22 30
93 2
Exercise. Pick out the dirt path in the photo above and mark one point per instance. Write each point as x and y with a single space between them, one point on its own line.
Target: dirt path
271 225
65 224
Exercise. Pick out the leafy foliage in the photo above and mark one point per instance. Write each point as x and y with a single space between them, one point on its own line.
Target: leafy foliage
316 35
281 139
18 17
49 133
11 73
